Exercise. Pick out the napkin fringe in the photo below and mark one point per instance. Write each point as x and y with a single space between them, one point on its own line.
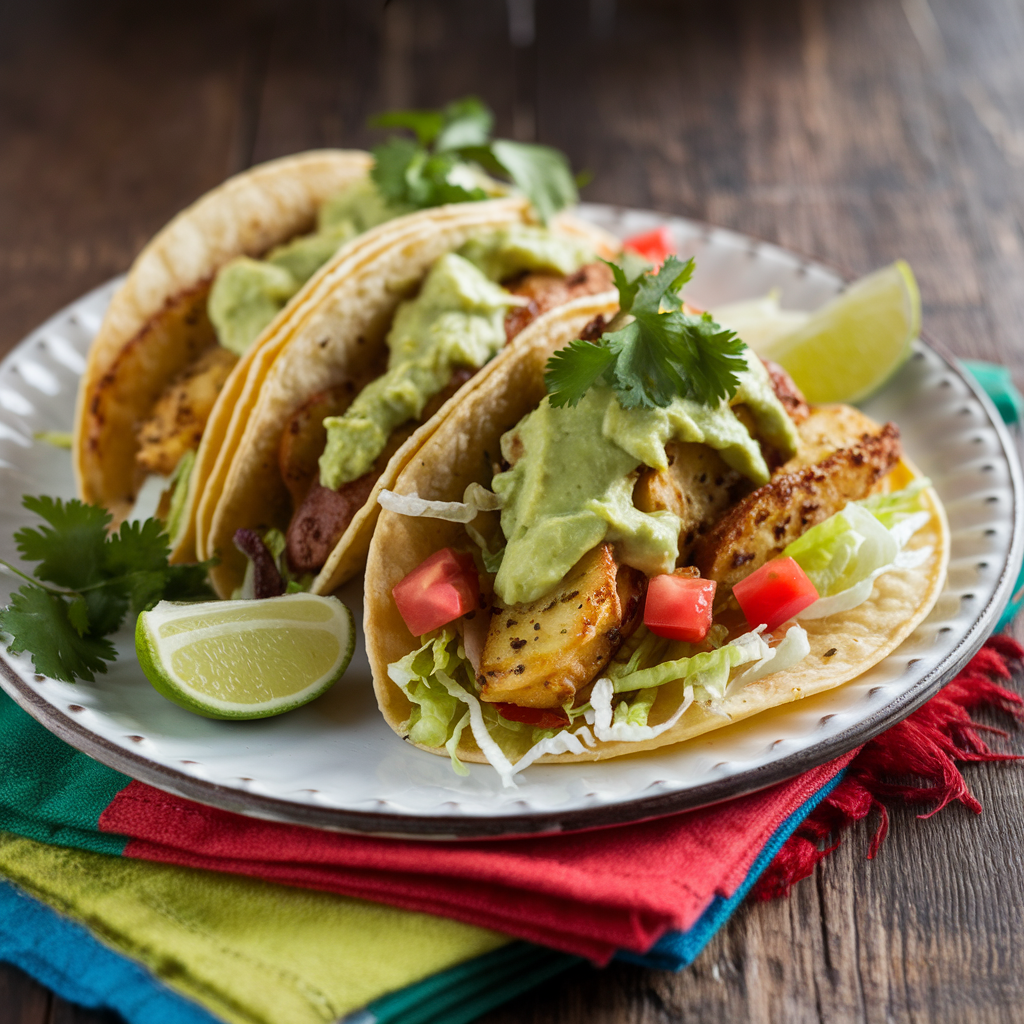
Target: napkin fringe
925 747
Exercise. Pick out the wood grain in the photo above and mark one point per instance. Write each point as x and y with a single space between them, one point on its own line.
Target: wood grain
855 132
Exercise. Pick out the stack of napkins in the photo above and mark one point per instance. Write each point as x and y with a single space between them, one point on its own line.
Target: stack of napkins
126 897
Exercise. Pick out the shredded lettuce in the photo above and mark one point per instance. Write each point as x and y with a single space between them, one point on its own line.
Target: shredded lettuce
845 554
438 680
791 651
475 500
421 676
610 726
708 670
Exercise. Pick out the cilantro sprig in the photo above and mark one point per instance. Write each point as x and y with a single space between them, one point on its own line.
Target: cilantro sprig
436 166
86 581
659 354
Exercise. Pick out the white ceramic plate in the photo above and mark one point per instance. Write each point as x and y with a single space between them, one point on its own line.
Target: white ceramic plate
335 764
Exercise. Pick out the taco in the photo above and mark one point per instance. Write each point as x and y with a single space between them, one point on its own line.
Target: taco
164 371
341 392
609 549
155 367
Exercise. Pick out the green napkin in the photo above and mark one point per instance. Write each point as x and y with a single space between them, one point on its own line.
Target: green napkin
249 951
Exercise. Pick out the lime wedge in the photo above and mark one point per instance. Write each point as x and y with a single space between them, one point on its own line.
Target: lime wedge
852 346
245 659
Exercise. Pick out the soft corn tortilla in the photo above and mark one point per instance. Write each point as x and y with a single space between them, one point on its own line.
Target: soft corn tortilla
157 324
460 451
334 333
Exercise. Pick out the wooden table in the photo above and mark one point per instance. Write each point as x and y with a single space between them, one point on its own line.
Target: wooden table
856 132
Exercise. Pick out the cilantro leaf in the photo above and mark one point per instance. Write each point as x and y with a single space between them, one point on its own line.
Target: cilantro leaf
41 623
427 124
710 357
391 162
467 122
102 576
645 373
573 370
451 147
69 550
542 173
653 290
657 355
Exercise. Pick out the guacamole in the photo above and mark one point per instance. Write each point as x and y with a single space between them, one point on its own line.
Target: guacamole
248 293
571 483
458 319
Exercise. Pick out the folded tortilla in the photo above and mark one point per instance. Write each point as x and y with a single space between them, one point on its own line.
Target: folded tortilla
843 646
157 322
335 332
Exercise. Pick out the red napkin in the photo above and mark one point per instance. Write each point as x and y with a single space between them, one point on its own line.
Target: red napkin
589 894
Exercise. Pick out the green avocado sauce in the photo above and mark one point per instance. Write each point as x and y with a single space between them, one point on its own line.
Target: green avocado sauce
571 485
248 293
457 320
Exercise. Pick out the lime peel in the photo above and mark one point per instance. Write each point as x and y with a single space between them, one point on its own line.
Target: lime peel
245 659
850 347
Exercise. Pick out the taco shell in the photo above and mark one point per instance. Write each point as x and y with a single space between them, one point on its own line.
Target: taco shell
460 451
157 323
335 332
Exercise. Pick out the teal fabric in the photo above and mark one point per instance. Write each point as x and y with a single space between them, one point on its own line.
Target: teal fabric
66 958
998 385
49 791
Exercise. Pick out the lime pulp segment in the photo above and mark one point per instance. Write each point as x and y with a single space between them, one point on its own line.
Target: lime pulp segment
245 659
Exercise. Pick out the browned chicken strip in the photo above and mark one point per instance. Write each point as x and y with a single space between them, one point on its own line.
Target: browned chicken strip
179 417
540 654
762 524
545 291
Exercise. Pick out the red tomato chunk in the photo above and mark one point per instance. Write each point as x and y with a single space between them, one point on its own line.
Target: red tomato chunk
438 591
774 593
652 245
679 607
542 718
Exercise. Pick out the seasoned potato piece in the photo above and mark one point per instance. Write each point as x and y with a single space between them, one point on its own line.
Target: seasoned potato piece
538 655
697 487
179 417
762 524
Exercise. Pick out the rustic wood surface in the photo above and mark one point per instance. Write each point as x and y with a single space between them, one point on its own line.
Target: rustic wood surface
856 132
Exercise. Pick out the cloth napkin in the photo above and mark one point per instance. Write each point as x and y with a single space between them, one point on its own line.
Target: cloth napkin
619 888
181 946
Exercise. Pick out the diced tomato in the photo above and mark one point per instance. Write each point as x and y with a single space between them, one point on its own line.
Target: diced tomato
679 607
438 591
542 718
652 245
774 593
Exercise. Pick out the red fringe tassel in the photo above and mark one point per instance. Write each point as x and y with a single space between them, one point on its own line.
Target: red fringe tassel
927 745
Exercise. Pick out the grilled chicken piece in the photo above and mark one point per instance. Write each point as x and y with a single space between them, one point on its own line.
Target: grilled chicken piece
697 487
545 291
762 524
305 436
540 654
179 417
